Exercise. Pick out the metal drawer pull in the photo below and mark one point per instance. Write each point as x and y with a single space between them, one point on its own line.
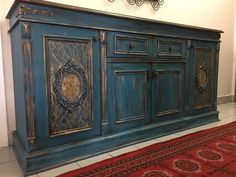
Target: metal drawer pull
170 49
151 74
132 45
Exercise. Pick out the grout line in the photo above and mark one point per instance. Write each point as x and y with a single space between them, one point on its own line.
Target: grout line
78 164
137 146
109 154
1 163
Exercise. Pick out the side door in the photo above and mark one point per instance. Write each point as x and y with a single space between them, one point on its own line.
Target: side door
66 84
203 76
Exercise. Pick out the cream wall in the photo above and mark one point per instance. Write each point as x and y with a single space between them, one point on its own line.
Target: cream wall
216 14
5 58
3 120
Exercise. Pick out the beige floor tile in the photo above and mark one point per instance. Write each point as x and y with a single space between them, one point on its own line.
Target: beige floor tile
226 106
122 151
92 160
226 121
146 143
57 171
10 169
7 155
225 114
168 137
186 132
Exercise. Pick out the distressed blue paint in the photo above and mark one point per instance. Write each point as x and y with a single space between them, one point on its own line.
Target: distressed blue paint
149 71
169 91
129 96
89 18
40 80
128 44
168 99
18 76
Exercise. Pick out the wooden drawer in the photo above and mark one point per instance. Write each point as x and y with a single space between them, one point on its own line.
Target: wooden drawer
127 44
170 47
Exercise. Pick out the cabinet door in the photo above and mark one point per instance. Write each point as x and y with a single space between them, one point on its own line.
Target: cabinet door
168 91
128 96
66 82
203 76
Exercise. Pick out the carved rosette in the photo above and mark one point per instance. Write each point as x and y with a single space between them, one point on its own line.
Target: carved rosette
70 86
202 78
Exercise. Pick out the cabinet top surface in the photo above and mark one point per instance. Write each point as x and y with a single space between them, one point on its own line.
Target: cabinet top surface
75 8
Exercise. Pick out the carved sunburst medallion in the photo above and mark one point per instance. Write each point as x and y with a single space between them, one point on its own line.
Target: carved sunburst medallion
202 78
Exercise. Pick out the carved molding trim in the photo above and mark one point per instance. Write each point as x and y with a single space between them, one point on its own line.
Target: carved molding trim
29 100
155 3
24 10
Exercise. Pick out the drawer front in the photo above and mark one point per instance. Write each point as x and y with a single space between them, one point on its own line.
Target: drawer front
169 47
127 45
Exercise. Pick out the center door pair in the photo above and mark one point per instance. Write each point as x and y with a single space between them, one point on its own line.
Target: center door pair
141 94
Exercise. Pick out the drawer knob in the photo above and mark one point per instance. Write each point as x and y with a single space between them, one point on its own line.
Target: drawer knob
132 45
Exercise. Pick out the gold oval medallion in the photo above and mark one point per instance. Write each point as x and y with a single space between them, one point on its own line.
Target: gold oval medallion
203 78
70 87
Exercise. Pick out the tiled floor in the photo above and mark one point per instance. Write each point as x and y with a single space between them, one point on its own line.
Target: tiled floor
9 167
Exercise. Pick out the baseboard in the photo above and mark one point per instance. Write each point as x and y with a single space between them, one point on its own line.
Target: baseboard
225 99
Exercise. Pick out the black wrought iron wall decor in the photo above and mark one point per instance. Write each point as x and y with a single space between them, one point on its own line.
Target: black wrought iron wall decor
155 3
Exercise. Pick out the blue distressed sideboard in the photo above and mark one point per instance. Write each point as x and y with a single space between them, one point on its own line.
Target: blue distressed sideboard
87 82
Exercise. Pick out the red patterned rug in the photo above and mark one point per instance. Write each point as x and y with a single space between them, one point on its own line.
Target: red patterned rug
207 153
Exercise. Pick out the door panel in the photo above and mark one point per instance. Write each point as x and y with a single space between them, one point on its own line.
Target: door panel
131 98
68 101
202 71
202 76
168 91
128 96
69 84
168 80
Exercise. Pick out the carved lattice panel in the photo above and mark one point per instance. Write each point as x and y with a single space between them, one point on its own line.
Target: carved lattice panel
202 74
69 85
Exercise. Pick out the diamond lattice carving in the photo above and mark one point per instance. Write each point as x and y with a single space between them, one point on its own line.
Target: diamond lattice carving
68 57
